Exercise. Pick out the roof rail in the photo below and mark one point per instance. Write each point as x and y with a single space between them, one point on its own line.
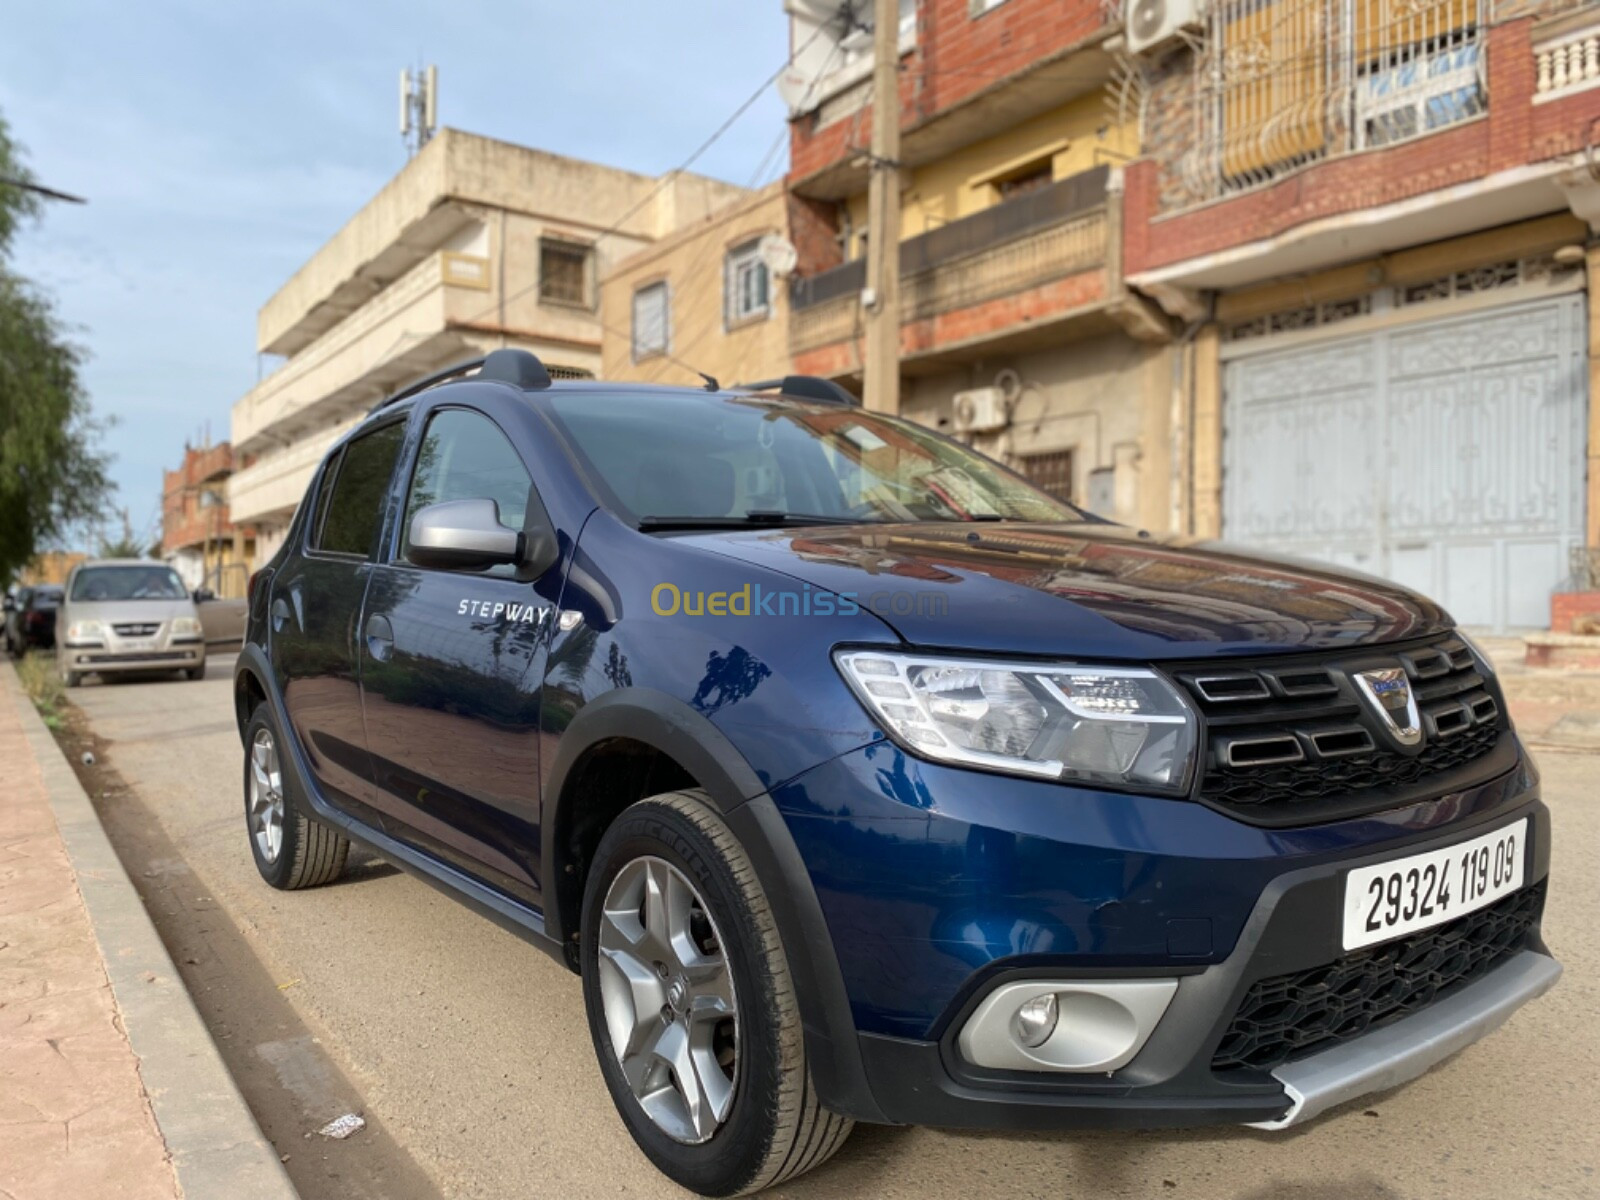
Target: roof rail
519 368
806 387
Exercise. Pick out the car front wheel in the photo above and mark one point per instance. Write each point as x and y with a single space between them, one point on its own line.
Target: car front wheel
691 1005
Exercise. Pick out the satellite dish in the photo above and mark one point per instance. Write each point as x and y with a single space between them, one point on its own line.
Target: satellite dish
779 254
794 88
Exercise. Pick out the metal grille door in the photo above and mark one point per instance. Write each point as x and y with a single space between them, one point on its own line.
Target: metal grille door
1447 455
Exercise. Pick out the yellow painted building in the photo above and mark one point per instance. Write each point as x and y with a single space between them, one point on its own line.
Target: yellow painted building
705 298
1077 136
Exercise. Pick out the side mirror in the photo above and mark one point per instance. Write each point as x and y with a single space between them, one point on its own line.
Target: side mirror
201 595
463 535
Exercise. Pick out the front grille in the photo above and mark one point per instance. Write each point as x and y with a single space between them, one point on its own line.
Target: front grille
137 656
1291 738
1289 1016
135 629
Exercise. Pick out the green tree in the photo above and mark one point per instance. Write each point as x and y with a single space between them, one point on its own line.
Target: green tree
52 473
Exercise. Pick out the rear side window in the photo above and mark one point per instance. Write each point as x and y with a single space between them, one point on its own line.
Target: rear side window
464 456
354 508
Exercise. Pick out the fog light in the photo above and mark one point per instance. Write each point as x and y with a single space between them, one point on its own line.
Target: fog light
1035 1021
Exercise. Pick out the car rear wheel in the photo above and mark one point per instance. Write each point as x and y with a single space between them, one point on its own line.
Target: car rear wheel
691 1005
291 850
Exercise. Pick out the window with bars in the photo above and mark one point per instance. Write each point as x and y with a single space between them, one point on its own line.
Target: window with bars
652 320
1051 473
564 270
747 285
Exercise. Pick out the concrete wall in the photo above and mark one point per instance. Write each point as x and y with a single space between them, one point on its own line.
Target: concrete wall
692 262
1106 398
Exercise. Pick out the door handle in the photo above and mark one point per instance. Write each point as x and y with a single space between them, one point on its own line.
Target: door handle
380 637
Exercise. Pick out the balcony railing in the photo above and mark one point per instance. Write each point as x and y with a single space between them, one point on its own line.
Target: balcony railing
1282 84
1567 62
1022 243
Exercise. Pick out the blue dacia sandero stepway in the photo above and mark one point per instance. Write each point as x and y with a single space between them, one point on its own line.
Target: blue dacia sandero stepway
859 780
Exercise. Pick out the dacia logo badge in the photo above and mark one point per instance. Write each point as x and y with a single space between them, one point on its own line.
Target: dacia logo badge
1388 691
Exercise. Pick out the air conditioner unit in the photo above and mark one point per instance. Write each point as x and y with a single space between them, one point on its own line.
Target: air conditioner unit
981 410
1152 23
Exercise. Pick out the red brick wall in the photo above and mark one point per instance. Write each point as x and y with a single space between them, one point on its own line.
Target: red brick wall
814 227
1049 301
956 57
1515 132
1567 607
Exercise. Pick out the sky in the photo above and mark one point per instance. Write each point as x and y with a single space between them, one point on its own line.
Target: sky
220 144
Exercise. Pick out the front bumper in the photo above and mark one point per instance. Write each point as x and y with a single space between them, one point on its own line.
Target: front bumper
1174 891
100 658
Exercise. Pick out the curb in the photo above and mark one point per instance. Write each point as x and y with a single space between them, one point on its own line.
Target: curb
216 1146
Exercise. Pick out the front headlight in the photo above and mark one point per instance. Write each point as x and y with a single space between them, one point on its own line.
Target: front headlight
85 631
185 627
1123 726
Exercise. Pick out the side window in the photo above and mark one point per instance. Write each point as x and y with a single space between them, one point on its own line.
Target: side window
464 456
652 321
319 507
355 505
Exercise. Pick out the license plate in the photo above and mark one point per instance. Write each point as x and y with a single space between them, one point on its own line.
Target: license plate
1407 894
138 646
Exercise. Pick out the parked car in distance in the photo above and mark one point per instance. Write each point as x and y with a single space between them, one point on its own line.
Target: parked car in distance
860 780
30 618
222 618
127 615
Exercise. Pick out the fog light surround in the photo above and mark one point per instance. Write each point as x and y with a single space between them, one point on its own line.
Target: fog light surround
1079 1026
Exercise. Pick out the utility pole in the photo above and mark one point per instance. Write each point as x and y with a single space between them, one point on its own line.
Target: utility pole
883 216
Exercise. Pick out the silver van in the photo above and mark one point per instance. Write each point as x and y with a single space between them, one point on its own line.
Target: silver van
128 615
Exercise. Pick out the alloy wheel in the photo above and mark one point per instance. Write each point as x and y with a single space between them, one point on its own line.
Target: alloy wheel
668 998
266 810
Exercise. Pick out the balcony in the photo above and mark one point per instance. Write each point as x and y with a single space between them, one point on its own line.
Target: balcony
1288 83
273 485
1012 250
397 335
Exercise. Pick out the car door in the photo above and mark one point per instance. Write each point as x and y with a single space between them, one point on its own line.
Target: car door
315 614
452 664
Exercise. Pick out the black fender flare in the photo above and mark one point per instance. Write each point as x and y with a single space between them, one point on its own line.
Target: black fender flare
673 728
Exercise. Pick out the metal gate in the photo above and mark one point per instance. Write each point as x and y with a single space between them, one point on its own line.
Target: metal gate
1448 455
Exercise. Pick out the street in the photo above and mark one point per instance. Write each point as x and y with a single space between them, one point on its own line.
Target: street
469 1054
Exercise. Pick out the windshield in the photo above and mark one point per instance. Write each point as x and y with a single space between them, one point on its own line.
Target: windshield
683 455
44 599
94 584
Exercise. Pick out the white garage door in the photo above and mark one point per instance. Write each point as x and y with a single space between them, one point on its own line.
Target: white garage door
1447 455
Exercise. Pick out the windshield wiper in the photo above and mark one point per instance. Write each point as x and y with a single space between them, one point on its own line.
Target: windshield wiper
755 517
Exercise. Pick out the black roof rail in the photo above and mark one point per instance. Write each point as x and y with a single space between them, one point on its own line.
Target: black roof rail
519 368
806 387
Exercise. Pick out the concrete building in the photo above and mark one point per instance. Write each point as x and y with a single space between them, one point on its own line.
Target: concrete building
474 245
1019 332
198 536
1376 225
702 299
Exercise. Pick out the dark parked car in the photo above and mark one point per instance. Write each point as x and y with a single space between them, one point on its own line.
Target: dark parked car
30 619
861 781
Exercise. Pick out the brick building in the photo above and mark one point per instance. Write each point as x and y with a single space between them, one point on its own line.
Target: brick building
198 536
1019 333
1375 225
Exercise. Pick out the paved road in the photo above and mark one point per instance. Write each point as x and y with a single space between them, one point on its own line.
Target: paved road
472 1050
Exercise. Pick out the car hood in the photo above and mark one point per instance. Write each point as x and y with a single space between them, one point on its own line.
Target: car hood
121 611
1089 589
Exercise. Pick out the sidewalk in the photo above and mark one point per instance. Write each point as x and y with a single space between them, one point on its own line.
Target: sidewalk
109 1084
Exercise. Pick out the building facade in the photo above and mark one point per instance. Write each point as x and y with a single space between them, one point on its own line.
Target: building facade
198 536
1375 224
711 297
1019 333
476 244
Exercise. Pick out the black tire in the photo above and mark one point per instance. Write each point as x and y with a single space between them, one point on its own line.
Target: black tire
776 1128
71 679
309 853
196 673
